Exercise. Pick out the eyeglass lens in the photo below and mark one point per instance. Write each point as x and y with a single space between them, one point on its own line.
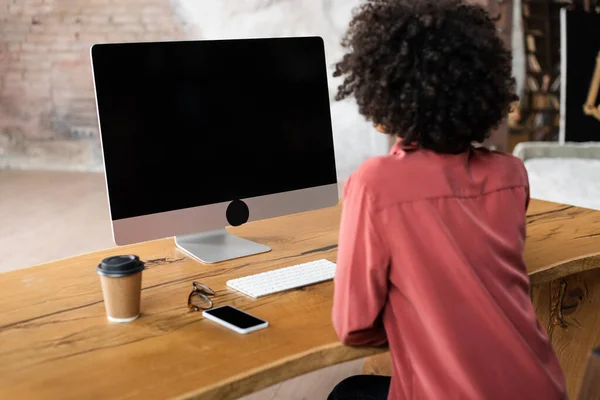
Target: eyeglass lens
198 301
203 288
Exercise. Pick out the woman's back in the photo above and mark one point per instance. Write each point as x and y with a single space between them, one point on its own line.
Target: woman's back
432 235
458 316
444 260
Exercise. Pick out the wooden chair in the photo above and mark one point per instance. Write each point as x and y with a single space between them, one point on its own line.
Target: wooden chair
589 389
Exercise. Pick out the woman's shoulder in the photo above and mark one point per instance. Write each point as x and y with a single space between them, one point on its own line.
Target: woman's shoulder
384 178
504 162
373 172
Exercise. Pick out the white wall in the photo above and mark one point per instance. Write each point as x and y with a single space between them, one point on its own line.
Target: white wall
355 139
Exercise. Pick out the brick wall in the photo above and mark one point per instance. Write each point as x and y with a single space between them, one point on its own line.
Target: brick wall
47 107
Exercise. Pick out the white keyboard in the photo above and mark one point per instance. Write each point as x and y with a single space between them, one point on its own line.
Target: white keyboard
283 279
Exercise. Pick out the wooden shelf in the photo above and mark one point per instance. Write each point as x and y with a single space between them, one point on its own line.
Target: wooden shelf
539 115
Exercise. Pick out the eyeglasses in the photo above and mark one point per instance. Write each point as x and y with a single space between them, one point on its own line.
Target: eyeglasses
198 298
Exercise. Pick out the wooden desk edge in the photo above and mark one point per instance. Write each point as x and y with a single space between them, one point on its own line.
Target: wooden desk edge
565 268
333 353
264 376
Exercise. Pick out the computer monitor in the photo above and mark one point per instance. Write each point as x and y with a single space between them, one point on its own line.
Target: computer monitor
200 135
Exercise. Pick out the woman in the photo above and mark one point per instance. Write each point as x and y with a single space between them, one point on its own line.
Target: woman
431 241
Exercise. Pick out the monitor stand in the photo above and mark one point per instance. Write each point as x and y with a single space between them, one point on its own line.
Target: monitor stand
216 246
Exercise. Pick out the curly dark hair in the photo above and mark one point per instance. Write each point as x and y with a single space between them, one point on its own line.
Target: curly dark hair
433 72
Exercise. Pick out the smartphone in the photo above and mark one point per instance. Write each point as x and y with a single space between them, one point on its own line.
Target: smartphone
234 319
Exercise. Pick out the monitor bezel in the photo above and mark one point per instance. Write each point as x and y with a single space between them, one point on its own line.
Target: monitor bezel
213 216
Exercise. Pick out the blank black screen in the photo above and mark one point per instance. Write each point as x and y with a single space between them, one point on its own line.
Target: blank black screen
187 124
235 317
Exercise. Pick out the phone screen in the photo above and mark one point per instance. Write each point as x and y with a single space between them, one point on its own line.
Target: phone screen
235 317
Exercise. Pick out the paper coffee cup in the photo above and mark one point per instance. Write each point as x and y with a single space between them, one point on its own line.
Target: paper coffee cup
121 279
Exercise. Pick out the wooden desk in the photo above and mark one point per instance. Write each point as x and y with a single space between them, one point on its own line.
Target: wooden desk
55 341
563 256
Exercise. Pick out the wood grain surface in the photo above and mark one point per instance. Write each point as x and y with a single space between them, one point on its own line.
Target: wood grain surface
561 240
565 278
590 387
569 309
55 341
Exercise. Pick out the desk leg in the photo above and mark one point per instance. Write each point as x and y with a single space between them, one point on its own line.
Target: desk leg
569 309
